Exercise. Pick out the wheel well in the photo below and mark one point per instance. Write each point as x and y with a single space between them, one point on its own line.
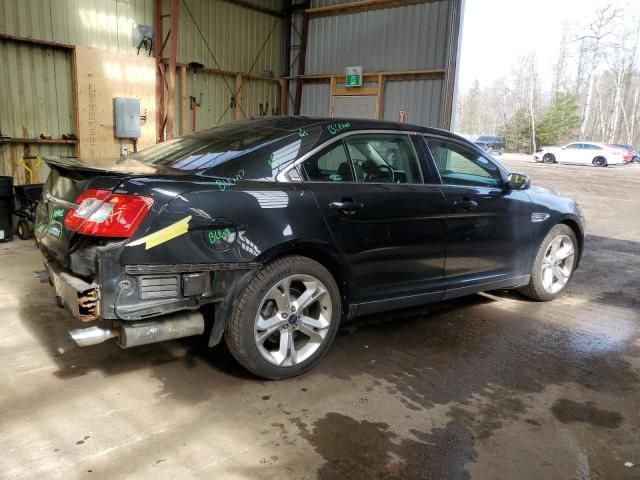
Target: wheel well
335 268
573 225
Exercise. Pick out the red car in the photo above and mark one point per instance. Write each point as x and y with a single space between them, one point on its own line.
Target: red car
629 155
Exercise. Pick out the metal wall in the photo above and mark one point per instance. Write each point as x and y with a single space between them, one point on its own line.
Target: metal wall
241 40
397 39
391 39
95 23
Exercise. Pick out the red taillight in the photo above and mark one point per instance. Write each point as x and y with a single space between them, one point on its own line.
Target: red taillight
102 213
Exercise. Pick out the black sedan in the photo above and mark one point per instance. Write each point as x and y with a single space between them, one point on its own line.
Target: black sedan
271 232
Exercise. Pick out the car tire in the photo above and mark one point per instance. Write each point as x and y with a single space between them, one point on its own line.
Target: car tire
501 151
539 287
23 230
600 162
549 158
275 338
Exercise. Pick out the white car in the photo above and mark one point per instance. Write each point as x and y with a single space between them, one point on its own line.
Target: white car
583 153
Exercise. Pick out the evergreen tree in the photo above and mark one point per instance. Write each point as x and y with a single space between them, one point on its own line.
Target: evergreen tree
560 121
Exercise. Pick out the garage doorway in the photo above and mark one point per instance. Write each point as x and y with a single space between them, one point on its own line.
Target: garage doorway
355 106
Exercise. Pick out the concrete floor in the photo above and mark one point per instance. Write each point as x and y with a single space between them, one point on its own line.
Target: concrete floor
491 386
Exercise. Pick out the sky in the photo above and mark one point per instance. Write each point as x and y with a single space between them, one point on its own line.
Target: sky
496 32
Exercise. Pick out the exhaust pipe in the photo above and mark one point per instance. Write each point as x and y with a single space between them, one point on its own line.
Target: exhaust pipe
177 325
86 337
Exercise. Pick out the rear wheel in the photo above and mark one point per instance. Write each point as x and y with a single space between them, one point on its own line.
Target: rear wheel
23 230
549 158
600 162
554 265
501 151
285 319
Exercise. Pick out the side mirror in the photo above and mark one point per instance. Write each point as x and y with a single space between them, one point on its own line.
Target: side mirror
518 181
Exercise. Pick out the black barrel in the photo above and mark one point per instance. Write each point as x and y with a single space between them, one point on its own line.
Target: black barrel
6 194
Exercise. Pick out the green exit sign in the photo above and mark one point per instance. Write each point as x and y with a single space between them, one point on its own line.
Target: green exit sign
353 77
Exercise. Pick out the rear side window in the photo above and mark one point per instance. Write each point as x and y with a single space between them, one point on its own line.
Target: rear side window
331 165
587 146
459 165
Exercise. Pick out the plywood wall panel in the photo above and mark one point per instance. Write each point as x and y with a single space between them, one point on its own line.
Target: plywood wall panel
103 75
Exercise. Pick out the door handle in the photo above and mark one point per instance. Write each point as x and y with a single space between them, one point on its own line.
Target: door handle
465 204
347 206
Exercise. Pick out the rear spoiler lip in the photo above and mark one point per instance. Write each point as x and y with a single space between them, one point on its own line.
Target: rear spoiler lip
126 167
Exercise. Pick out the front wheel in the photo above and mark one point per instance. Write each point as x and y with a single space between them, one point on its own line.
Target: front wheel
549 158
553 266
285 319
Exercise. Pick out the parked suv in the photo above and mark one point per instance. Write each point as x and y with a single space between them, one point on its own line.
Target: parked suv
491 144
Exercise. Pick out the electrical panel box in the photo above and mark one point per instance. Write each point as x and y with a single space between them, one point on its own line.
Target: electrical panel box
126 117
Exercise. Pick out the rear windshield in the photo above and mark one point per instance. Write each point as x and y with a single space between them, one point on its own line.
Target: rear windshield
249 151
207 149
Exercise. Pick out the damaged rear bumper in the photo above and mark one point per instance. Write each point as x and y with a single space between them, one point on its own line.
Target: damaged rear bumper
80 297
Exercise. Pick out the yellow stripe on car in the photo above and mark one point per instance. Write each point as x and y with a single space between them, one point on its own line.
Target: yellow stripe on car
156 238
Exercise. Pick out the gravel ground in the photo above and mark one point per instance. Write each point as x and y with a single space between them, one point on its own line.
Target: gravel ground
490 387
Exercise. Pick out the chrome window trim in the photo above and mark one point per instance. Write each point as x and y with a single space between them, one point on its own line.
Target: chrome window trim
281 177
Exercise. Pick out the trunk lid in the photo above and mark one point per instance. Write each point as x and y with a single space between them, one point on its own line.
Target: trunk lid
69 177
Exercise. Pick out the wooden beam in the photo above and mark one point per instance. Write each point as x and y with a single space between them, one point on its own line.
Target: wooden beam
227 73
173 51
373 76
75 101
45 141
341 91
256 8
332 89
359 6
380 102
238 97
284 96
42 43
157 41
302 59
184 107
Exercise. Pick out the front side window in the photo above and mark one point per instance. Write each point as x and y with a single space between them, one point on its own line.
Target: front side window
383 158
588 146
331 165
574 146
460 165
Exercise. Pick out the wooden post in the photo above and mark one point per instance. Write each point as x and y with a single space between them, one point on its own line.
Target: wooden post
380 103
284 96
301 61
74 97
238 97
332 91
184 107
157 44
173 51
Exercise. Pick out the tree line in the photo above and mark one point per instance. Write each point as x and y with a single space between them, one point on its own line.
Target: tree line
593 96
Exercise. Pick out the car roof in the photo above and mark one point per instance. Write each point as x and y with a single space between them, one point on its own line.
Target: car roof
293 123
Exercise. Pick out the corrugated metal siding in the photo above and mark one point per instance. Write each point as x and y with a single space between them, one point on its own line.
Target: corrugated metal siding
393 39
315 100
234 34
421 99
95 23
35 94
215 97
35 90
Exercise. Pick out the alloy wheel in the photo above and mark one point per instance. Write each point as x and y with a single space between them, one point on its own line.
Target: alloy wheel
293 320
557 264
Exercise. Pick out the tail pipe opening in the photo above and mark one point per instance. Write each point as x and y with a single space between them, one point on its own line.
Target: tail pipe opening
169 327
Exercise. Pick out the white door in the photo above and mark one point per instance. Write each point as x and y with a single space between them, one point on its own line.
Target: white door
571 153
355 106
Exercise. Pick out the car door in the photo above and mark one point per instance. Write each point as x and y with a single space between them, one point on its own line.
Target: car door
387 222
572 153
488 226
